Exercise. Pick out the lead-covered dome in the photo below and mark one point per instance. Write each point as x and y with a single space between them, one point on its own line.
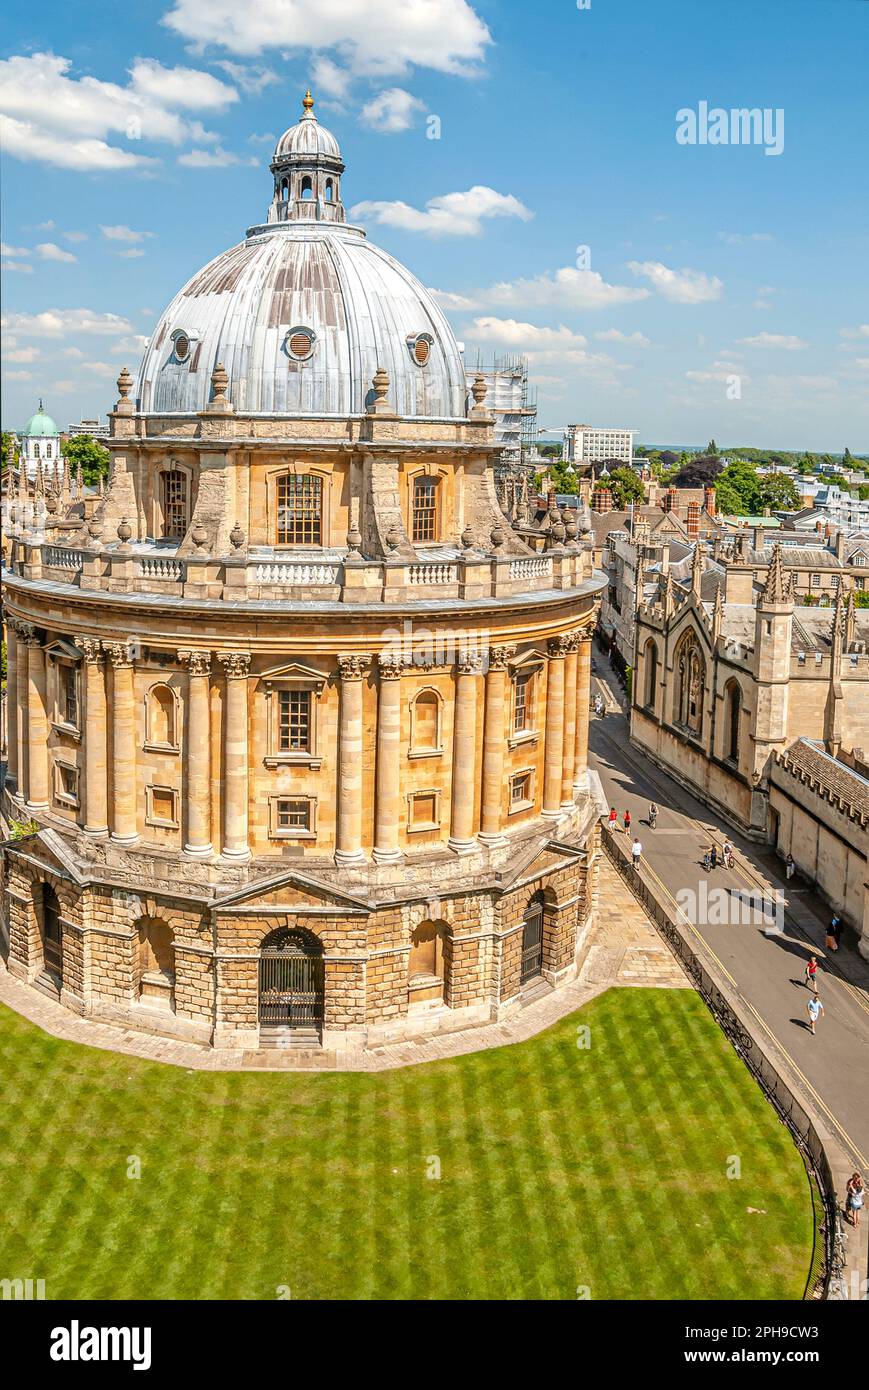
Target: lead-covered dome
303 313
307 136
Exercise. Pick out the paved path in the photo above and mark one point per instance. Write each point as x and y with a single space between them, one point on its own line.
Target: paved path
624 949
766 969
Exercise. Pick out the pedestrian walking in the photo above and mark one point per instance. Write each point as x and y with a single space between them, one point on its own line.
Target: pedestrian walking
727 853
714 855
636 852
613 818
812 974
815 1008
653 816
855 1196
627 820
834 931
789 867
707 860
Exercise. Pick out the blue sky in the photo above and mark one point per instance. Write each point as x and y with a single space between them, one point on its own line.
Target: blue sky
724 290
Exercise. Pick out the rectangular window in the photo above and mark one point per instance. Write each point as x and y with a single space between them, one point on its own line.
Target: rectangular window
522 702
299 510
816 581
66 784
294 721
425 500
292 816
67 694
520 791
174 503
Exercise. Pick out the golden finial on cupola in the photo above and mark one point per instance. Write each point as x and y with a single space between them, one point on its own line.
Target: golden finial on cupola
308 101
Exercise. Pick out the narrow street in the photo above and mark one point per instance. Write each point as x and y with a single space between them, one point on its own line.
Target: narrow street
768 970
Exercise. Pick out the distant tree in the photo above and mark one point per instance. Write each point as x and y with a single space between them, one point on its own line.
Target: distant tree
737 489
668 458
561 476
94 459
8 451
698 472
847 459
625 485
727 500
712 448
778 492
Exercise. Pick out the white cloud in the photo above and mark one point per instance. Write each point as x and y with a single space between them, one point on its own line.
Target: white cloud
330 78
513 333
72 352
740 238
566 288
120 232
28 354
679 286
860 331
615 335
372 37
217 158
391 110
7 250
789 341
251 80
132 253
23 267
43 107
18 376
50 251
267 138
64 388
75 237
450 214
56 323
447 299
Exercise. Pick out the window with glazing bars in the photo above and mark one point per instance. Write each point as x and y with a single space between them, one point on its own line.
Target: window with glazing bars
174 503
294 815
299 510
68 695
425 504
521 701
294 728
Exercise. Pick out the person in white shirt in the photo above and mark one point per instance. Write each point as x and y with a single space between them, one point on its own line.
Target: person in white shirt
636 853
815 1008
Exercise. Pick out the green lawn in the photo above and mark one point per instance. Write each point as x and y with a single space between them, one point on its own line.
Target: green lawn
560 1167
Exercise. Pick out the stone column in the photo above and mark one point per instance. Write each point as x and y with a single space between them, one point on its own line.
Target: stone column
388 789
197 750
235 839
12 647
494 743
583 695
553 746
36 724
348 845
568 756
21 715
125 827
96 777
464 755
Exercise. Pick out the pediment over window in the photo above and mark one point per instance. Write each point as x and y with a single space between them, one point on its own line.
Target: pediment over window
288 890
295 673
62 647
527 661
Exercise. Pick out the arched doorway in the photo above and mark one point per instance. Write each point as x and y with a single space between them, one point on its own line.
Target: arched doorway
532 941
52 933
292 979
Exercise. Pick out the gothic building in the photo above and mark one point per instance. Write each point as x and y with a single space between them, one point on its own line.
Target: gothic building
298 715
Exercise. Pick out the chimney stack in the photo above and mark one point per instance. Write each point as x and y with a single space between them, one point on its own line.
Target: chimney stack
602 500
709 499
693 520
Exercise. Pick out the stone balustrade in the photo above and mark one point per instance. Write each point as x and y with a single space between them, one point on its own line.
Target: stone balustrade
60 557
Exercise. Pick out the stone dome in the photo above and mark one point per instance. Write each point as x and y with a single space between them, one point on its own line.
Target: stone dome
303 313
307 137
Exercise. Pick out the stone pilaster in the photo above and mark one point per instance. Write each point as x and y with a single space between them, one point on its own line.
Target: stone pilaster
197 751
583 696
236 666
96 760
568 756
553 746
21 714
124 821
12 650
36 722
464 754
388 790
494 736
348 848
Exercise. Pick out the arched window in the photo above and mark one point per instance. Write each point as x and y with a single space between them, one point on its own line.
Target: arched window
285 189
424 508
532 940
425 722
160 725
328 190
299 509
52 933
156 963
307 187
651 674
733 698
175 499
691 670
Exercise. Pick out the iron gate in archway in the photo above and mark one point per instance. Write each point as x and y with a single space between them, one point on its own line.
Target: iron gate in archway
292 980
532 941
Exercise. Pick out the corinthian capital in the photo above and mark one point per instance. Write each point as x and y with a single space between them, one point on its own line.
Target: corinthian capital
354 666
120 653
470 663
559 646
235 664
390 665
198 663
90 649
499 657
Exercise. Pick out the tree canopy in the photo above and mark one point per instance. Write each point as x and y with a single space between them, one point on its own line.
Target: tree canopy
698 472
85 450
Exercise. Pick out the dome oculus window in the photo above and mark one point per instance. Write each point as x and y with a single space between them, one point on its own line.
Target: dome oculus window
300 343
181 345
420 348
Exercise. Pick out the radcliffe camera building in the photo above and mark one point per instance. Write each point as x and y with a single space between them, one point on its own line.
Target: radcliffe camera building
300 717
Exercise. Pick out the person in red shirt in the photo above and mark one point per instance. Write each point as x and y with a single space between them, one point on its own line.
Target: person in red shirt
812 974
627 820
614 818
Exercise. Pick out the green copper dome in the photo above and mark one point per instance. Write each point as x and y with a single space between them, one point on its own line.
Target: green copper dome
40 424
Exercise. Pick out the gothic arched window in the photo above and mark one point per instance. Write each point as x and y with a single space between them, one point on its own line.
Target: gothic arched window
733 702
651 674
691 669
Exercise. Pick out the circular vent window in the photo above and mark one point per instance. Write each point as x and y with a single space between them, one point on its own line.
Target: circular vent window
182 346
300 343
420 348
